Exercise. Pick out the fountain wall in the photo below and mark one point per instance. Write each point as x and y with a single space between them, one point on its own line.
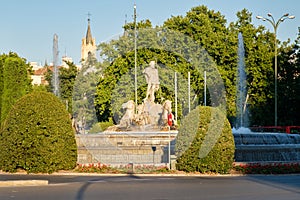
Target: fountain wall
125 147
267 147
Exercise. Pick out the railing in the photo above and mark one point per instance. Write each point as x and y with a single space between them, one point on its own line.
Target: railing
277 129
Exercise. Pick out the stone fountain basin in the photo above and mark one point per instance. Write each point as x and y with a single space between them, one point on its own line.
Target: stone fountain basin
266 147
269 147
265 139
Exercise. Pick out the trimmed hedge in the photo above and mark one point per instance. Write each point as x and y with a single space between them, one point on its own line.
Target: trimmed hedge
37 136
216 154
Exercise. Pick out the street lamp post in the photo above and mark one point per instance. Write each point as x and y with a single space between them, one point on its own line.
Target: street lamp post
135 60
275 25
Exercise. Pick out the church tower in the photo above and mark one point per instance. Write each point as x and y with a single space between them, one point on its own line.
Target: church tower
88 45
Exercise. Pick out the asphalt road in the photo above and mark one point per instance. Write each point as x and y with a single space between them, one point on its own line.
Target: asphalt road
130 187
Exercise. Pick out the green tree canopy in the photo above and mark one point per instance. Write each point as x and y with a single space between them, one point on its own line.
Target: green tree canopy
67 78
289 83
172 51
15 81
83 94
210 30
258 65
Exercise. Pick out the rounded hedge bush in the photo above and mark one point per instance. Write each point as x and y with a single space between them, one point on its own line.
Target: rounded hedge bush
205 142
37 136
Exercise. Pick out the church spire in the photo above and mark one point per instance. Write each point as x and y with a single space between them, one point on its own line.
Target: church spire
88 45
89 38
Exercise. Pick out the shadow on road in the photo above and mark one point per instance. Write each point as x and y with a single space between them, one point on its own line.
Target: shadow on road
83 189
289 183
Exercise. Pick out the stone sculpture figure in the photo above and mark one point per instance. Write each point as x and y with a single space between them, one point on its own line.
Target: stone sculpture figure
148 115
142 117
151 75
128 117
166 111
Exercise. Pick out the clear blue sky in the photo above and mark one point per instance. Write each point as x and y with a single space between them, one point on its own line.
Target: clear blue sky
28 26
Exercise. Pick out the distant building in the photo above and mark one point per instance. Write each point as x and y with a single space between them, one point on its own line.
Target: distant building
39 71
88 45
65 60
35 65
38 77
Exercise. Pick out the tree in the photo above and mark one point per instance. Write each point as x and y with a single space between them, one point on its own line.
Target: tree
48 78
15 81
83 94
208 28
258 61
173 51
67 78
289 84
2 60
162 46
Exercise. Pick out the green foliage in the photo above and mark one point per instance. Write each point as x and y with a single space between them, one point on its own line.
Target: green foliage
268 168
173 52
117 85
67 78
84 89
15 81
105 125
37 136
101 126
205 129
209 29
2 60
39 88
48 78
258 64
289 85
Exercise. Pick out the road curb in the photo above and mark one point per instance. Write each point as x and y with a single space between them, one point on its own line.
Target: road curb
15 183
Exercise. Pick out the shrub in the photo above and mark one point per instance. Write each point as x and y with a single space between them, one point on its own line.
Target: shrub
268 168
216 154
38 136
101 126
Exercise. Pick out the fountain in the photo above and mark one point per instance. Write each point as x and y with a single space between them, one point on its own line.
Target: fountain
142 128
254 146
242 96
55 81
267 147
149 115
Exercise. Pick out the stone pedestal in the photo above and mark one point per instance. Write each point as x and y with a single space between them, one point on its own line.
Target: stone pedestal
125 147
